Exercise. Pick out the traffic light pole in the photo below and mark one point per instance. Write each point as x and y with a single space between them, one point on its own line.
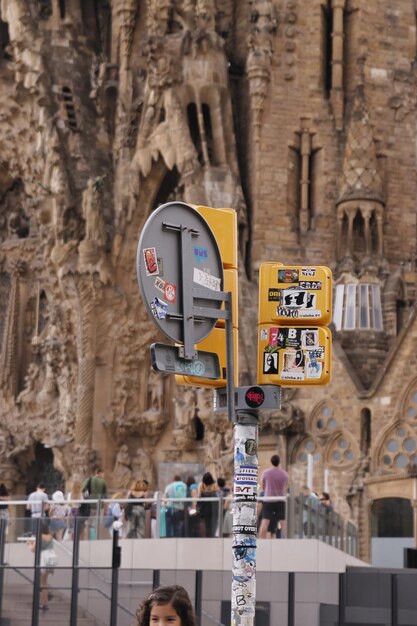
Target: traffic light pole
245 488
244 519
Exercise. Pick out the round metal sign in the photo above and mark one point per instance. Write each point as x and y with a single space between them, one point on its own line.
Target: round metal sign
176 253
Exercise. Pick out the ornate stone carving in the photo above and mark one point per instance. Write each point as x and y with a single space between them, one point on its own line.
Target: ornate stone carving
122 472
143 466
258 65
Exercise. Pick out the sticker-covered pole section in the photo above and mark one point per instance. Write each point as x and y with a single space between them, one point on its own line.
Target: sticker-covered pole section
245 489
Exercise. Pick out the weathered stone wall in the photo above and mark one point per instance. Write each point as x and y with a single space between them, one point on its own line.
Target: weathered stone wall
299 115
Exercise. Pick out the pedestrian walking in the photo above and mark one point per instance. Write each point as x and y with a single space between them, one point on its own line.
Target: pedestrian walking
274 482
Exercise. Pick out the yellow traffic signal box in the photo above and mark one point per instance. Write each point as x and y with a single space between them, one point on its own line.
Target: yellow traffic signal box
293 356
294 343
223 223
295 294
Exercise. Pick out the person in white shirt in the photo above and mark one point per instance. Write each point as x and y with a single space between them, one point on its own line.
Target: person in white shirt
37 504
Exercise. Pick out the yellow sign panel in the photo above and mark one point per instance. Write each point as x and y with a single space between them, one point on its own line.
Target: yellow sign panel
223 223
294 356
295 294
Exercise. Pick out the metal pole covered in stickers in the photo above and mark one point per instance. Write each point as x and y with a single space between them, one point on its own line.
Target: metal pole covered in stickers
245 490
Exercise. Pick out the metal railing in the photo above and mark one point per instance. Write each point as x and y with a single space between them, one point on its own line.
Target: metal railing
305 518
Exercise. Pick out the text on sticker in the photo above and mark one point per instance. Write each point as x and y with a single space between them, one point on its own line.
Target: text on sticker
206 280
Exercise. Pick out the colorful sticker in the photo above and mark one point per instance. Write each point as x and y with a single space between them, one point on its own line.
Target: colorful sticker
310 284
270 363
206 280
274 295
245 493
273 336
310 338
296 303
313 367
159 284
200 254
264 334
159 308
151 262
246 475
287 276
293 365
244 560
298 299
308 271
170 292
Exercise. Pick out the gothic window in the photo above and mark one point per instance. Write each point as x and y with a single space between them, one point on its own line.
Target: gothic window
401 309
358 234
96 16
323 421
4 299
208 132
327 45
62 9
302 177
341 451
307 446
399 448
366 431
410 406
4 38
195 131
357 306
69 107
43 313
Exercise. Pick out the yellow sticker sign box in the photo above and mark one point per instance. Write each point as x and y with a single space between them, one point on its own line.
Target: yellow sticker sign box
295 294
223 223
215 342
294 356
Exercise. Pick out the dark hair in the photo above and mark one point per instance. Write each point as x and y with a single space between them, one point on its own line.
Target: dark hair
41 485
3 490
221 482
190 481
177 477
275 460
174 595
324 496
208 479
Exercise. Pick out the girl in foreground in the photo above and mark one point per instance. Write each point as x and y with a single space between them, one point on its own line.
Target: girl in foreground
166 606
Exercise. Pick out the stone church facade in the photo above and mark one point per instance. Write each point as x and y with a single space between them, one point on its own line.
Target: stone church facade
302 117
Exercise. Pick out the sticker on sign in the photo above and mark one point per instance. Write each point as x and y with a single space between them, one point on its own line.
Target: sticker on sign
206 280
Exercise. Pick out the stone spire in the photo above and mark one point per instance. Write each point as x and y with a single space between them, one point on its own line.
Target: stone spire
361 179
360 206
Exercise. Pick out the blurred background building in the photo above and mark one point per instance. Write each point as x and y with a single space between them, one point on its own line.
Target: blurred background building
302 117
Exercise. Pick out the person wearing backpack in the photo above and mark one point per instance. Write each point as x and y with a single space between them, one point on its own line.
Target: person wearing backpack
175 513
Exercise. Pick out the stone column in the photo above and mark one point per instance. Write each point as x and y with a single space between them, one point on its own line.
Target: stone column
337 62
305 180
86 370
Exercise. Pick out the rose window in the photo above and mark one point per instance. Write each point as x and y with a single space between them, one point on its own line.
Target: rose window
399 449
